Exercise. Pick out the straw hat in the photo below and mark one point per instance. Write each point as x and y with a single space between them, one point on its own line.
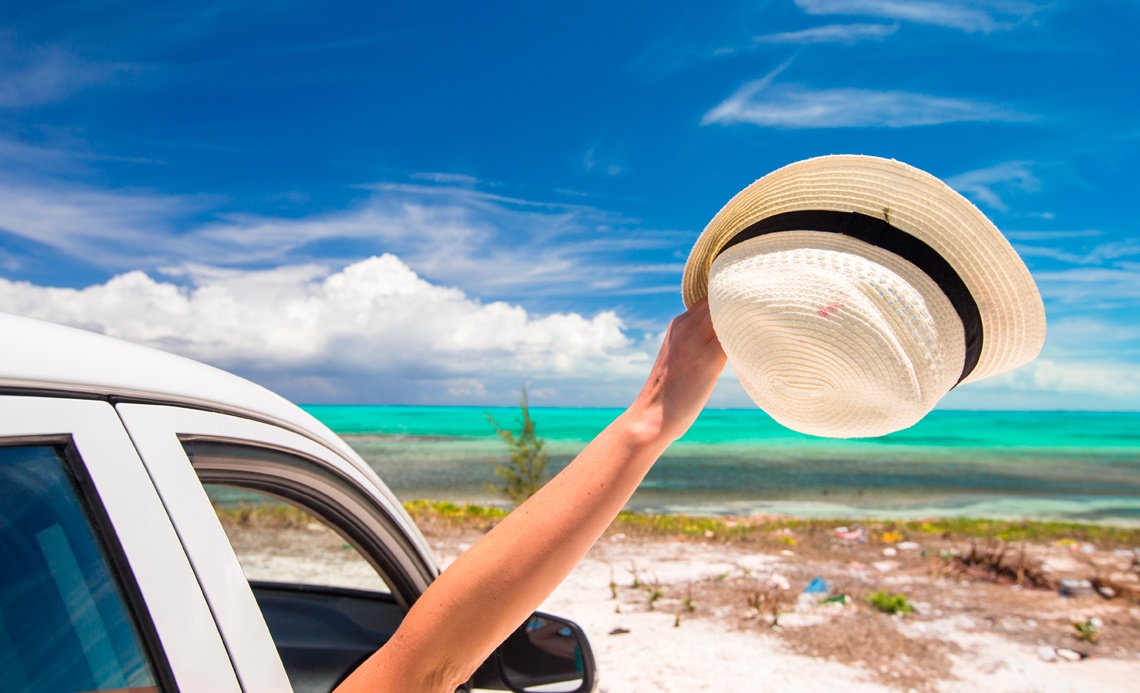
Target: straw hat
852 292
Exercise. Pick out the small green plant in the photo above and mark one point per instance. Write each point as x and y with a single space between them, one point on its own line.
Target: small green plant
522 475
755 603
654 595
1087 631
890 603
637 583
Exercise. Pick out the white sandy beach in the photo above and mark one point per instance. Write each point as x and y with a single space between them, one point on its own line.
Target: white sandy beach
684 615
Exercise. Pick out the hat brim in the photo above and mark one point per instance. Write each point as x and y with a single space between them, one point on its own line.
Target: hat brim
1012 314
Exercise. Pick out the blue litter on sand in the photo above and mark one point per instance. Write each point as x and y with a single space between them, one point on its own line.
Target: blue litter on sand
817 586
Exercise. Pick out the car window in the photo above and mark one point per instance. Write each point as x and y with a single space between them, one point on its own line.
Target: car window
279 541
64 623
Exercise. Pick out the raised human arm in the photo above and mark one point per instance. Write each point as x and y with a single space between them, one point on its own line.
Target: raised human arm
496 584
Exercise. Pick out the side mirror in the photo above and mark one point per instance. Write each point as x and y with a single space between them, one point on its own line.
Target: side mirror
547 653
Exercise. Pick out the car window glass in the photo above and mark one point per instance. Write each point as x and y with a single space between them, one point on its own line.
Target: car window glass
64 624
278 541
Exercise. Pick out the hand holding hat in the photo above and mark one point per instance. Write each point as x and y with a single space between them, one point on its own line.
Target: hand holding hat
851 293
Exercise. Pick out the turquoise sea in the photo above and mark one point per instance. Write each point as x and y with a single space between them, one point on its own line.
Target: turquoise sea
1082 466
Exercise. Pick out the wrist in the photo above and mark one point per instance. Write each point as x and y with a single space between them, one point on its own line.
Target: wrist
644 425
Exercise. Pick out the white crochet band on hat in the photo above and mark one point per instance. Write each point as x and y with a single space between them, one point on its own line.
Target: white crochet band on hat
851 293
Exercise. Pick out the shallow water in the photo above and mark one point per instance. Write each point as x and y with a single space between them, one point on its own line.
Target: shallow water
1042 465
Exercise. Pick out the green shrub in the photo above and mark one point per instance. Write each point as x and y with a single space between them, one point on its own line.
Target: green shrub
890 603
522 475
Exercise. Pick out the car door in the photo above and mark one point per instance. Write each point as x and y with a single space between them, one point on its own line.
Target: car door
282 633
96 590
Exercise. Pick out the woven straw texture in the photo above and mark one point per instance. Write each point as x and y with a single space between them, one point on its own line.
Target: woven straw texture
1013 316
832 336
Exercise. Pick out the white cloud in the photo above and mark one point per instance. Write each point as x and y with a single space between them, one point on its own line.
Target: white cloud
793 107
374 322
1088 363
984 185
965 15
1050 384
831 33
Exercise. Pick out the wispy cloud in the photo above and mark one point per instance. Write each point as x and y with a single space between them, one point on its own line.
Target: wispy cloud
446 178
793 106
965 15
984 185
831 33
106 228
1104 253
592 162
1087 289
43 74
1052 235
494 245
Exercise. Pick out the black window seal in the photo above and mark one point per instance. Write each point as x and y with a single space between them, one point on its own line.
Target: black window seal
403 585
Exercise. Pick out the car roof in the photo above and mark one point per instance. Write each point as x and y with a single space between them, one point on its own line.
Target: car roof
43 357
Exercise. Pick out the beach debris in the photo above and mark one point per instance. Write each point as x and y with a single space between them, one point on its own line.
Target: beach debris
787 552
840 599
617 537
1046 654
1072 587
890 551
996 563
1110 588
909 546
778 582
1082 547
891 537
1069 655
885 566
619 631
812 594
844 533
817 586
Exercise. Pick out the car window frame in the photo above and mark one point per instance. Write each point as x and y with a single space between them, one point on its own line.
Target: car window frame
179 633
322 493
159 431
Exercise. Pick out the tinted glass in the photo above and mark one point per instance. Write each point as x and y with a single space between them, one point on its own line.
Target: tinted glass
64 625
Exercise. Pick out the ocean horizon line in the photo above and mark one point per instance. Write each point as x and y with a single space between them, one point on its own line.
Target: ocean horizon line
308 405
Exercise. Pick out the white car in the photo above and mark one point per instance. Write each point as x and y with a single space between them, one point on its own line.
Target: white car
115 572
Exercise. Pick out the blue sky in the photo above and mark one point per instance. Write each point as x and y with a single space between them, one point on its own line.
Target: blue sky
437 202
